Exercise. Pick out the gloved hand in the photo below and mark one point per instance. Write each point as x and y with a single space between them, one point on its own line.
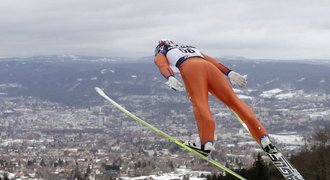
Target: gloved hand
237 79
174 84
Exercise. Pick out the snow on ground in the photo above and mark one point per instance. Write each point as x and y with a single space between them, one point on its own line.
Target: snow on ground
10 85
193 175
163 177
321 114
285 95
247 143
271 81
179 173
103 71
278 94
93 78
301 79
8 142
238 90
240 93
241 96
270 93
288 139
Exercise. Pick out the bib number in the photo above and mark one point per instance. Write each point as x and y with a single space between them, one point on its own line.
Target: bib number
187 50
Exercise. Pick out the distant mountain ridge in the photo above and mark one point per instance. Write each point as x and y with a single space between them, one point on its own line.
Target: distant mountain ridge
68 57
70 79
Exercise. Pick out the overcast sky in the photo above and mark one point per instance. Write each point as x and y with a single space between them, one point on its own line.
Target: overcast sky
277 29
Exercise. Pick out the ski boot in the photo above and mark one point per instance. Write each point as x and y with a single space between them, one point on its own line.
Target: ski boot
204 149
267 146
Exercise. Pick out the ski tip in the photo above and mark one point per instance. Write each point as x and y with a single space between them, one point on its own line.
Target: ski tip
98 90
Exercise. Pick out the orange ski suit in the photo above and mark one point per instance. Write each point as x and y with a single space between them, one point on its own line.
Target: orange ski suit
204 75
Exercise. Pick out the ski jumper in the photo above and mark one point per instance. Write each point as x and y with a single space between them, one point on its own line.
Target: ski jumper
203 74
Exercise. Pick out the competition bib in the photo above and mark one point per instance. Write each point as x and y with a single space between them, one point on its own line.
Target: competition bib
173 55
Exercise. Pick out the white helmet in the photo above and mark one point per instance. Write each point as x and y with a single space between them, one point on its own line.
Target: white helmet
164 43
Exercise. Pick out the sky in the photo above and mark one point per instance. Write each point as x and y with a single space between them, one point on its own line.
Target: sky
261 29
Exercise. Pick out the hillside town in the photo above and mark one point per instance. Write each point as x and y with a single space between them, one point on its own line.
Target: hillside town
46 140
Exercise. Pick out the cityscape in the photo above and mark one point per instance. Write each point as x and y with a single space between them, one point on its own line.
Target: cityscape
54 125
45 139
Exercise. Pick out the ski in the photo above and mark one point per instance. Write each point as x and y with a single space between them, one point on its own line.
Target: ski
280 162
163 134
284 166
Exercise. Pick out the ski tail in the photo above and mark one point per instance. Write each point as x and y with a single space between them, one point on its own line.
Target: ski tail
176 141
279 161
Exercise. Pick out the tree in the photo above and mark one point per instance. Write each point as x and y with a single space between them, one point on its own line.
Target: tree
42 163
171 164
88 172
60 162
5 176
314 163
185 177
30 163
259 169
322 137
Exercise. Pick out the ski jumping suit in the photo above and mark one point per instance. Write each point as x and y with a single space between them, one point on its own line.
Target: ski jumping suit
202 74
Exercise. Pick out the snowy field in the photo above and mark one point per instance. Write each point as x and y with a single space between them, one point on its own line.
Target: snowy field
289 139
179 173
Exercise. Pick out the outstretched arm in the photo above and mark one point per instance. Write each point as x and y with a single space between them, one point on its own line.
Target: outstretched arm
167 72
234 77
220 66
163 66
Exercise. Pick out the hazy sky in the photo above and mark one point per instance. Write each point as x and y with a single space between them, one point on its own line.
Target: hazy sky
286 29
